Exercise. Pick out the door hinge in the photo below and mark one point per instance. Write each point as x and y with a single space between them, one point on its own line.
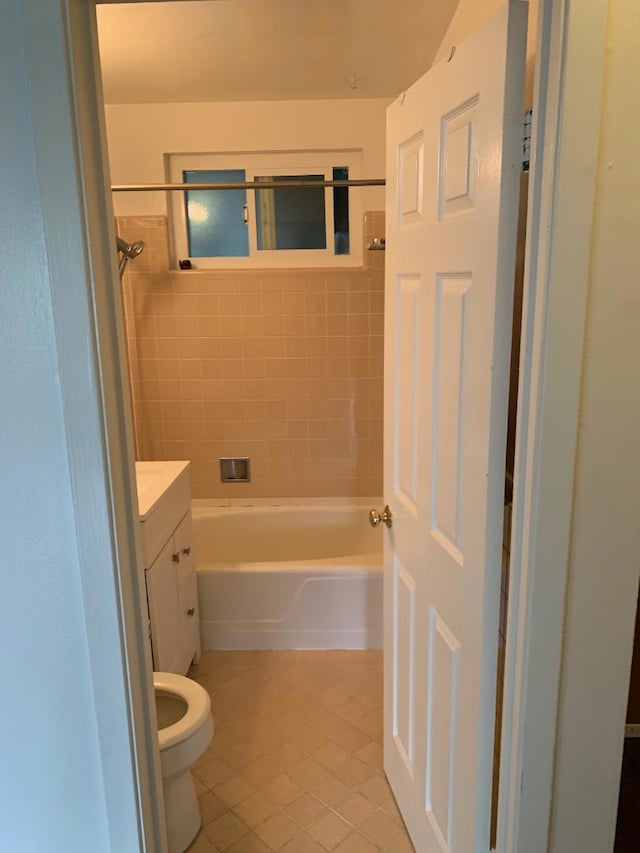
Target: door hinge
526 139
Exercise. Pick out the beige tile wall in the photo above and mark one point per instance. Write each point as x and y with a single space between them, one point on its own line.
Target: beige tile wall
283 366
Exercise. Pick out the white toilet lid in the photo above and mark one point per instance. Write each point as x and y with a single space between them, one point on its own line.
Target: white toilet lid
197 702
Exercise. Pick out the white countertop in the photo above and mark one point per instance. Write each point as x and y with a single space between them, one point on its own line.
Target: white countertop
152 481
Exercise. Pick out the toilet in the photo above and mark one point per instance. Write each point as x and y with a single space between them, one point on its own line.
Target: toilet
185 729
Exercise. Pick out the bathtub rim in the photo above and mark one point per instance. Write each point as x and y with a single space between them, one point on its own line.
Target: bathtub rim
369 561
356 564
237 502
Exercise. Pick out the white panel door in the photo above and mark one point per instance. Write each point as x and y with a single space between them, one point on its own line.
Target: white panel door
453 163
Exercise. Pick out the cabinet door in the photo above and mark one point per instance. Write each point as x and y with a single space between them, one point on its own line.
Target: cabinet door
167 626
183 541
187 592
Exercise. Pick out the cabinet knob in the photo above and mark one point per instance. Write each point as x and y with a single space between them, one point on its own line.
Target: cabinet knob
186 551
191 611
176 557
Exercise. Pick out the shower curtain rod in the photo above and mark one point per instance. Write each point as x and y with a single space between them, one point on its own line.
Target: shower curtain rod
247 185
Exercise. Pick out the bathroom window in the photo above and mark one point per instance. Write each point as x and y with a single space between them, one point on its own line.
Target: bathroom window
272 227
215 220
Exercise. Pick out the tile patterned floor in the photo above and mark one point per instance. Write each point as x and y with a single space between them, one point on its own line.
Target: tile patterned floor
295 764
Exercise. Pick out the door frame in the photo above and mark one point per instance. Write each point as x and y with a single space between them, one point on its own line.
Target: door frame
570 66
65 95
69 141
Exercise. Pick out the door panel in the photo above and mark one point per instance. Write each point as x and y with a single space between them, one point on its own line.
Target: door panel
407 387
404 603
442 683
453 149
449 380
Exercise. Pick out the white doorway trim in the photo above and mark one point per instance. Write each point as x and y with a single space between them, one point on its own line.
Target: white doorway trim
565 145
68 132
61 57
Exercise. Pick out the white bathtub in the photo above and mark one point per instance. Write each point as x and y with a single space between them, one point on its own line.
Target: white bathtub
288 577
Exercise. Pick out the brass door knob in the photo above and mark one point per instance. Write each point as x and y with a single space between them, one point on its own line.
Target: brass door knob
376 517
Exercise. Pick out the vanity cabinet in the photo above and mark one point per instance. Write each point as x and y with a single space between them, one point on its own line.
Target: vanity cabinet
172 593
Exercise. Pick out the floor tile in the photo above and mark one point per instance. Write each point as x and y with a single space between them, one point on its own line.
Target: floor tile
329 830
381 829
351 710
307 736
331 790
201 844
282 790
332 698
199 787
277 830
371 754
295 764
261 771
370 697
239 755
234 790
371 724
250 843
287 755
356 843
356 809
214 773
255 809
302 843
207 755
330 755
305 809
226 830
355 772
378 791
401 844
391 808
307 772
350 738
211 807
331 724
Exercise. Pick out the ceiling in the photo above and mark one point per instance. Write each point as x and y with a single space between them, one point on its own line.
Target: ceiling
241 50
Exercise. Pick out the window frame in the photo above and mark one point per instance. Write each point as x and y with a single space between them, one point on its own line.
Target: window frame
258 164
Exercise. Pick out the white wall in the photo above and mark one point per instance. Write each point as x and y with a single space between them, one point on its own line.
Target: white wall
51 791
139 135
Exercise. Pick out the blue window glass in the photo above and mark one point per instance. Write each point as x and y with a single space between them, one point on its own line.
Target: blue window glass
341 212
291 217
215 218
